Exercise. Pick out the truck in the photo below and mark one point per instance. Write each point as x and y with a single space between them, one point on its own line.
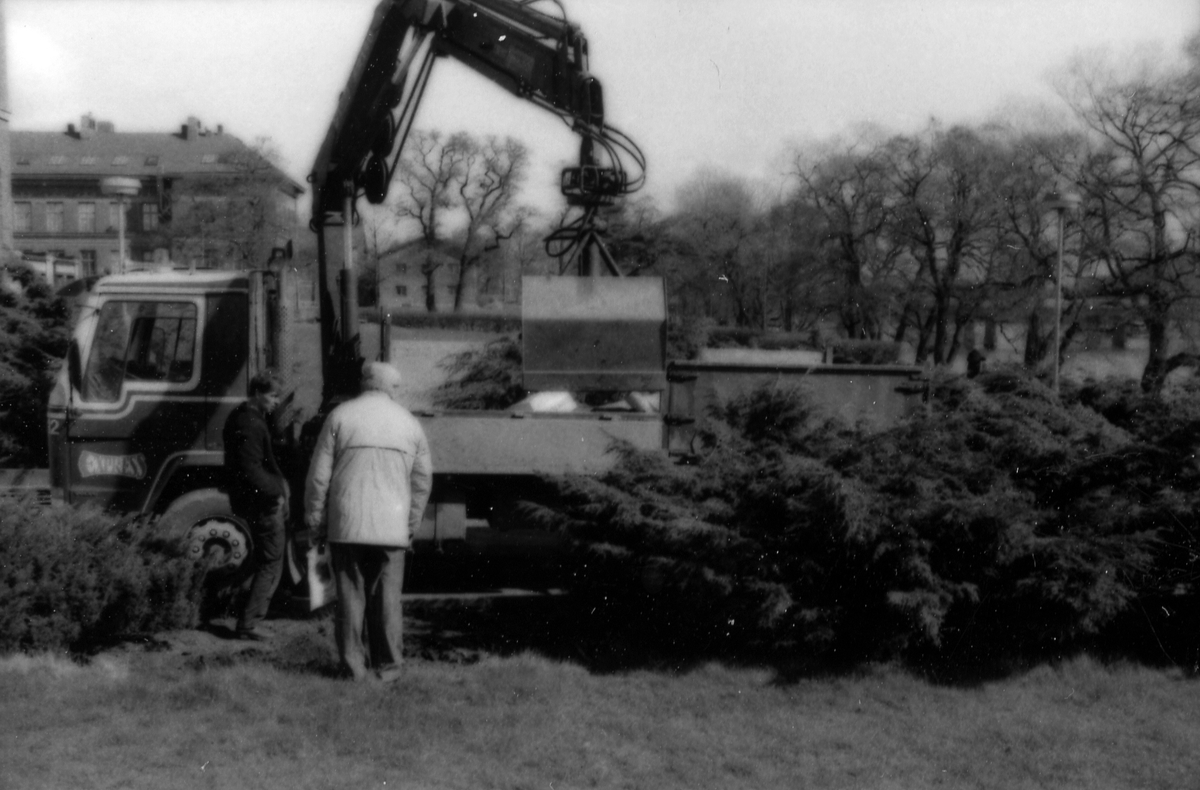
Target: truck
158 359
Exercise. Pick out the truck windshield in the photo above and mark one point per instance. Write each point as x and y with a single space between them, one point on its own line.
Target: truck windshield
140 341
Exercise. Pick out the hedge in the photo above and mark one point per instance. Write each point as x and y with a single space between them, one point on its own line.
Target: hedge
74 579
1003 523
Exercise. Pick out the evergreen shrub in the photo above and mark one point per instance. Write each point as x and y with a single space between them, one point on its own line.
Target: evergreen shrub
1157 483
33 341
1004 522
746 337
487 378
865 352
76 578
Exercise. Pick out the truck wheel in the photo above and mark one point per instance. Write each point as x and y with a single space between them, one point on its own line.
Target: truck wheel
205 522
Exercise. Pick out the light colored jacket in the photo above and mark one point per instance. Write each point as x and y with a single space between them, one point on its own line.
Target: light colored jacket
371 474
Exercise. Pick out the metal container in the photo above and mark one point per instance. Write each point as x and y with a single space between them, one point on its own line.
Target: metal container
594 333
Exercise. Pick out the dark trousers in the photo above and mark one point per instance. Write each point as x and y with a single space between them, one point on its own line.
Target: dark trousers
369 623
269 535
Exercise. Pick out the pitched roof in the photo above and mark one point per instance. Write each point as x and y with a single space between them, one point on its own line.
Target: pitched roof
101 151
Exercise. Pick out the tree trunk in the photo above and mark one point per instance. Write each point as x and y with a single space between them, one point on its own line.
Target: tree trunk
458 285
430 290
1035 346
902 326
1155 373
923 335
941 322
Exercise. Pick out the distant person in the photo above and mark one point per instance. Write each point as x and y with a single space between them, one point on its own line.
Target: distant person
975 361
258 494
367 487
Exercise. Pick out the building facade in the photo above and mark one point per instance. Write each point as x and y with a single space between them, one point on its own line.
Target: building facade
7 250
193 188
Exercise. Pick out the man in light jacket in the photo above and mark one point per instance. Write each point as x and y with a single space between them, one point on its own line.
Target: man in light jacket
367 487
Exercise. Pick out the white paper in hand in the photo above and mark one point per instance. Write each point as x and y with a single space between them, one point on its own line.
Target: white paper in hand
321 589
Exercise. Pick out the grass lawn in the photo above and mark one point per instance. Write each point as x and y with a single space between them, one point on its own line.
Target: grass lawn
525 721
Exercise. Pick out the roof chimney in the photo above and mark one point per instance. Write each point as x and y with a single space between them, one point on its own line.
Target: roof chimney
191 130
87 125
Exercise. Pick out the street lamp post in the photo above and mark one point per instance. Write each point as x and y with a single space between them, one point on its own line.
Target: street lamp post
121 187
1061 203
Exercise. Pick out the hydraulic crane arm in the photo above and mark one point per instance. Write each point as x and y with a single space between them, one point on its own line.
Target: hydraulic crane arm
536 56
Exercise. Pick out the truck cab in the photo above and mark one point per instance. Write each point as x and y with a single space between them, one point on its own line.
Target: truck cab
157 361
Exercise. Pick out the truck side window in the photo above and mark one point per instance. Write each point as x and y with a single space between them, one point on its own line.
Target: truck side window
140 341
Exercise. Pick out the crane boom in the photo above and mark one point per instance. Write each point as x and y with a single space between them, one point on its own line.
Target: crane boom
533 55
536 56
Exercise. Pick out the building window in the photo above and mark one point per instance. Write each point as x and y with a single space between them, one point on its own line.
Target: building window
88 160
209 159
151 161
114 216
149 216
88 260
120 159
401 268
22 217
401 290
58 160
54 217
87 217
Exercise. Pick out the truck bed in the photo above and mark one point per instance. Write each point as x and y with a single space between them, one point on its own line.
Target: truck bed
523 443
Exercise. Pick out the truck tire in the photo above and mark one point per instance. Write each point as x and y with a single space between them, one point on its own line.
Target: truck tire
211 532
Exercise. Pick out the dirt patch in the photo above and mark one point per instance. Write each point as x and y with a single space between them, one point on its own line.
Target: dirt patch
457 628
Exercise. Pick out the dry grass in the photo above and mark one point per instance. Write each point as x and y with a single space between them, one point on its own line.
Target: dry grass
529 722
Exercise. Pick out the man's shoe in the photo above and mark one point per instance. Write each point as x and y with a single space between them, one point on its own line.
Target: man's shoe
253 635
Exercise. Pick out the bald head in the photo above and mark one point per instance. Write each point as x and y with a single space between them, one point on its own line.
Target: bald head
381 377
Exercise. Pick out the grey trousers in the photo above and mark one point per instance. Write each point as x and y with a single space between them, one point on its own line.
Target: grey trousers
368 622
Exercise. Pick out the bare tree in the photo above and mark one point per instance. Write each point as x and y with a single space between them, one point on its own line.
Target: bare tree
718 216
1140 181
848 190
636 234
488 184
1036 161
459 179
945 217
236 215
427 177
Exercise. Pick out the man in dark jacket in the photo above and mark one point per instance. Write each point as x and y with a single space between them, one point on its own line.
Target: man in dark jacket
258 494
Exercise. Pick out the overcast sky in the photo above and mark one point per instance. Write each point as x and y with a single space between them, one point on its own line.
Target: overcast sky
726 83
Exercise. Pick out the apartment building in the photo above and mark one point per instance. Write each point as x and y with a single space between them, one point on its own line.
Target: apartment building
191 185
